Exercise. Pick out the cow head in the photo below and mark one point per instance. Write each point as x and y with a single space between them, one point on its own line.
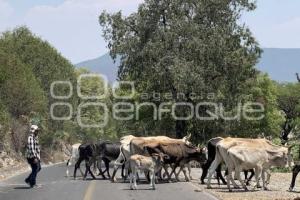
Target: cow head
201 154
159 157
283 158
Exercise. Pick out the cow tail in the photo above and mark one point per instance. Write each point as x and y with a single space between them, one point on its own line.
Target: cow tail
123 155
218 155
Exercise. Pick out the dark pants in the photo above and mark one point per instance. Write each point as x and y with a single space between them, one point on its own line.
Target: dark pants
35 168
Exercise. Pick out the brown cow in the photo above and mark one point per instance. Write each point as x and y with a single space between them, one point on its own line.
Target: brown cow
178 153
126 150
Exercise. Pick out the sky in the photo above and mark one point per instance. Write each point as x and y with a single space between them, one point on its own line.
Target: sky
72 26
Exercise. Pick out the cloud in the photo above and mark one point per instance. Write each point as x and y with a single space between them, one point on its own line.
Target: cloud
73 28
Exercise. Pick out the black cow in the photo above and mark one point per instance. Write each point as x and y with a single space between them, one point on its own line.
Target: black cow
211 151
87 153
109 151
102 151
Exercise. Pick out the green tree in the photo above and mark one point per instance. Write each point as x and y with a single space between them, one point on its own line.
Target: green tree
289 104
44 62
20 90
264 91
94 115
185 47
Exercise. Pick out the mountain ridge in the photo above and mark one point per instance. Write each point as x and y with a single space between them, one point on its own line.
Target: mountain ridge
280 63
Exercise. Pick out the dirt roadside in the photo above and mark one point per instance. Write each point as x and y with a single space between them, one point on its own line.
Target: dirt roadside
278 186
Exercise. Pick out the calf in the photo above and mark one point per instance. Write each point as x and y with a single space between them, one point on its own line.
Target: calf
151 164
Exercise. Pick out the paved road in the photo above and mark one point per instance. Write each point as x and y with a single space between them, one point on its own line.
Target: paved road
56 186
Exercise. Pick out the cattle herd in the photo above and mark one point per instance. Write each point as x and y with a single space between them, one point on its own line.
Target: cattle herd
161 157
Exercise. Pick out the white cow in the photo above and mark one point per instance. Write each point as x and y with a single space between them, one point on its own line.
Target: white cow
260 159
256 149
73 158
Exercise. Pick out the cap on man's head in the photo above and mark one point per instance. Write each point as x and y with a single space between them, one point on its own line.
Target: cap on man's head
33 128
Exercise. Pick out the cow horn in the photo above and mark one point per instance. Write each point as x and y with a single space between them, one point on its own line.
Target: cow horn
189 136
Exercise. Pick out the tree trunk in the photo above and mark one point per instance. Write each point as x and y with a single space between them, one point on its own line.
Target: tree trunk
180 128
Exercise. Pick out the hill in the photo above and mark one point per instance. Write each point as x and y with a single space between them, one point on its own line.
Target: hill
280 64
103 65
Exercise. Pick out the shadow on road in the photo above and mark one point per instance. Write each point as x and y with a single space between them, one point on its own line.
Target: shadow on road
22 188
139 189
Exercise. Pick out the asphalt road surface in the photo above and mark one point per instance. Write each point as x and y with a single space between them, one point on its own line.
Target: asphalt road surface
56 186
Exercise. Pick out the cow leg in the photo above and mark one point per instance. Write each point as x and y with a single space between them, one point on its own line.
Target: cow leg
296 170
185 175
107 168
106 163
204 172
219 175
167 172
264 179
68 164
134 172
212 169
100 168
228 177
189 167
133 184
268 172
77 165
183 169
173 171
251 176
95 165
258 172
152 179
238 174
118 162
177 174
147 175
246 174
122 172
113 177
159 174
131 181
88 168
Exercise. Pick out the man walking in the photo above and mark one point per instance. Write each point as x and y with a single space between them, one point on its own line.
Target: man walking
33 156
